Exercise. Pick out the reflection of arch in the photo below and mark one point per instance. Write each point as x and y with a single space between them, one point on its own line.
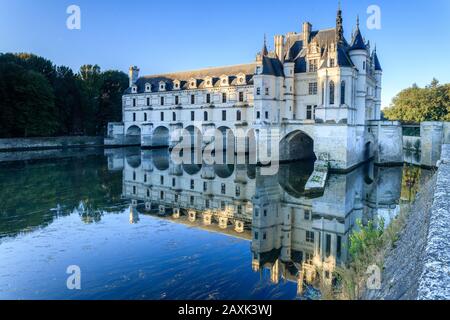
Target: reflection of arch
293 177
133 157
192 169
224 170
160 137
228 140
297 145
161 159
133 135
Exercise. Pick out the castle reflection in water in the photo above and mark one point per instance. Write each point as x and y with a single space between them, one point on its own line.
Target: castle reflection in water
292 234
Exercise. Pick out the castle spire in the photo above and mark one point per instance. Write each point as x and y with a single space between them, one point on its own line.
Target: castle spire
339 25
264 51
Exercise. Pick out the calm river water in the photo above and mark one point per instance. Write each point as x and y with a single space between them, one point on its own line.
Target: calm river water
138 226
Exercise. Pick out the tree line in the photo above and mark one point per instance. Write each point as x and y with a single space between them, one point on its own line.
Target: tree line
38 98
415 104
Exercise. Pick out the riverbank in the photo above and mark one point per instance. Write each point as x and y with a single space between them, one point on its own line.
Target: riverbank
417 264
23 144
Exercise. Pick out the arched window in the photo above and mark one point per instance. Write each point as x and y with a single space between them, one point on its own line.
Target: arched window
205 116
332 90
238 115
342 92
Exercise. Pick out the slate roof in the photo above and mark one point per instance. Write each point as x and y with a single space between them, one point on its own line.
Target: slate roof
376 62
358 41
199 75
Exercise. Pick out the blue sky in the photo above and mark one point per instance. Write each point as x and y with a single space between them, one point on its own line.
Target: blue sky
174 35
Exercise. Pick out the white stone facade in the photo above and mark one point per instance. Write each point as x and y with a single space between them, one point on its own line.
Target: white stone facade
320 93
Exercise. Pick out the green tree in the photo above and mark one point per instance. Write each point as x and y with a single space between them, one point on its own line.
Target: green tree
416 104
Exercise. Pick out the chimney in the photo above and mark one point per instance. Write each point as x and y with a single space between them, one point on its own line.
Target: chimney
279 47
133 74
306 32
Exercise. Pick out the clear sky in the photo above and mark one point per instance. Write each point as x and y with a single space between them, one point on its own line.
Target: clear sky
174 35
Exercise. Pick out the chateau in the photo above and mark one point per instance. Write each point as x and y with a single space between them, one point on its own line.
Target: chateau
320 92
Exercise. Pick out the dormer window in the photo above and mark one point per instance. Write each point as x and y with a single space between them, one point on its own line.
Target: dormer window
193 84
134 89
162 86
176 85
148 87
332 63
241 79
208 82
224 80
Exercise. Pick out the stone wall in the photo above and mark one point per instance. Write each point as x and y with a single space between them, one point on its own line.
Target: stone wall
49 143
434 282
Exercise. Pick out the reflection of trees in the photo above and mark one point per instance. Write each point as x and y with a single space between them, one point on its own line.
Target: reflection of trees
410 182
33 194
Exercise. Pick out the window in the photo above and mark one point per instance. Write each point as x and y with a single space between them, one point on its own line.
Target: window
176 198
223 188
332 90
148 101
307 214
256 235
134 190
208 98
207 204
192 99
310 236
162 101
239 209
162 116
134 176
312 65
224 97
174 182
256 212
267 114
309 112
174 116
134 102
241 96
161 180
238 191
192 115
265 236
161 195
224 115
258 115
265 213
192 200
342 92
177 100
145 116
205 186
238 115
332 64
258 91
148 193
328 245
222 205
145 177
267 91
134 117
364 65
192 184
205 116
312 90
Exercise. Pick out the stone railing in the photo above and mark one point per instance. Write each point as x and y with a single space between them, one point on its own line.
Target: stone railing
434 283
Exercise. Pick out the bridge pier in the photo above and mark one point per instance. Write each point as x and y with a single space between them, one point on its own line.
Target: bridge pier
148 206
176 213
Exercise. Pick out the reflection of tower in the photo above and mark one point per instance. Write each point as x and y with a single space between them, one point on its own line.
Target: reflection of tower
134 215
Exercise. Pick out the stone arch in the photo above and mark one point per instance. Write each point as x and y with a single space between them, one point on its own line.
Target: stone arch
293 177
133 157
224 171
195 135
133 135
160 137
297 145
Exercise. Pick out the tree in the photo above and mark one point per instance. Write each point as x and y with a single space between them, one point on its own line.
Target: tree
416 104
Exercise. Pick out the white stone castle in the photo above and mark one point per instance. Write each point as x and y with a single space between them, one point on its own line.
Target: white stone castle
321 92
